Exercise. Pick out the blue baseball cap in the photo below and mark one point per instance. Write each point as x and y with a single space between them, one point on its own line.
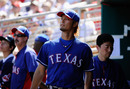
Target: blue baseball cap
71 14
42 38
22 30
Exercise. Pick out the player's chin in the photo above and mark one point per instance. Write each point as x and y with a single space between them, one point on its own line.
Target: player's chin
62 29
108 55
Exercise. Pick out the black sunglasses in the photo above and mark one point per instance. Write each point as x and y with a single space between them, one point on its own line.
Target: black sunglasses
19 35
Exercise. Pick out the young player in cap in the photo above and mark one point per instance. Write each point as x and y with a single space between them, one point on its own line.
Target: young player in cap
6 46
66 58
107 74
25 62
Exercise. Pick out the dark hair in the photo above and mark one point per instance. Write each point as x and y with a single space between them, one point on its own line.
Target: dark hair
104 38
75 29
12 45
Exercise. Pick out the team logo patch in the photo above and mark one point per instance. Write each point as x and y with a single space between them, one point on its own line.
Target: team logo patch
5 78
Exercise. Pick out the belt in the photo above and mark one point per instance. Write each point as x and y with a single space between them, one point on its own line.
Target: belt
55 87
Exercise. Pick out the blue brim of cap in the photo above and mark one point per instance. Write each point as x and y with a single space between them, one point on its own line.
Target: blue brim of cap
63 13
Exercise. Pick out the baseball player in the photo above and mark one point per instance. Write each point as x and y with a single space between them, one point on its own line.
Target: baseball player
39 41
6 46
107 74
66 58
25 62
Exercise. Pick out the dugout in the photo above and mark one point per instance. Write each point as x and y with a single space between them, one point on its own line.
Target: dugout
116 21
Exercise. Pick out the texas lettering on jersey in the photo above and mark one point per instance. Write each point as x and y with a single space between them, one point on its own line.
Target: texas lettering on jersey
100 82
15 70
67 59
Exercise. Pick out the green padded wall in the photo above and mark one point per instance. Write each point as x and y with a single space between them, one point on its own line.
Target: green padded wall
116 14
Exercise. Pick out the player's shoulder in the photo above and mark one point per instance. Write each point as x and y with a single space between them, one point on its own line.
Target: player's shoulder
84 47
77 41
10 58
52 42
29 50
1 61
95 58
81 44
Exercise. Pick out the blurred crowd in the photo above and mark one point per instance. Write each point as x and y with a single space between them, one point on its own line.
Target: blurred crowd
10 9
15 8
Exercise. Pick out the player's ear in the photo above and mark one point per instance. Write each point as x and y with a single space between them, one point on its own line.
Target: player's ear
75 24
11 48
97 47
26 38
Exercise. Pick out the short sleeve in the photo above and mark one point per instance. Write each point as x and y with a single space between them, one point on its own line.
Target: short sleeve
88 61
42 56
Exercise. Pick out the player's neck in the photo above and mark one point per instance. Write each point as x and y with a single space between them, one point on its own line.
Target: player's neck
101 58
67 36
6 54
21 46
